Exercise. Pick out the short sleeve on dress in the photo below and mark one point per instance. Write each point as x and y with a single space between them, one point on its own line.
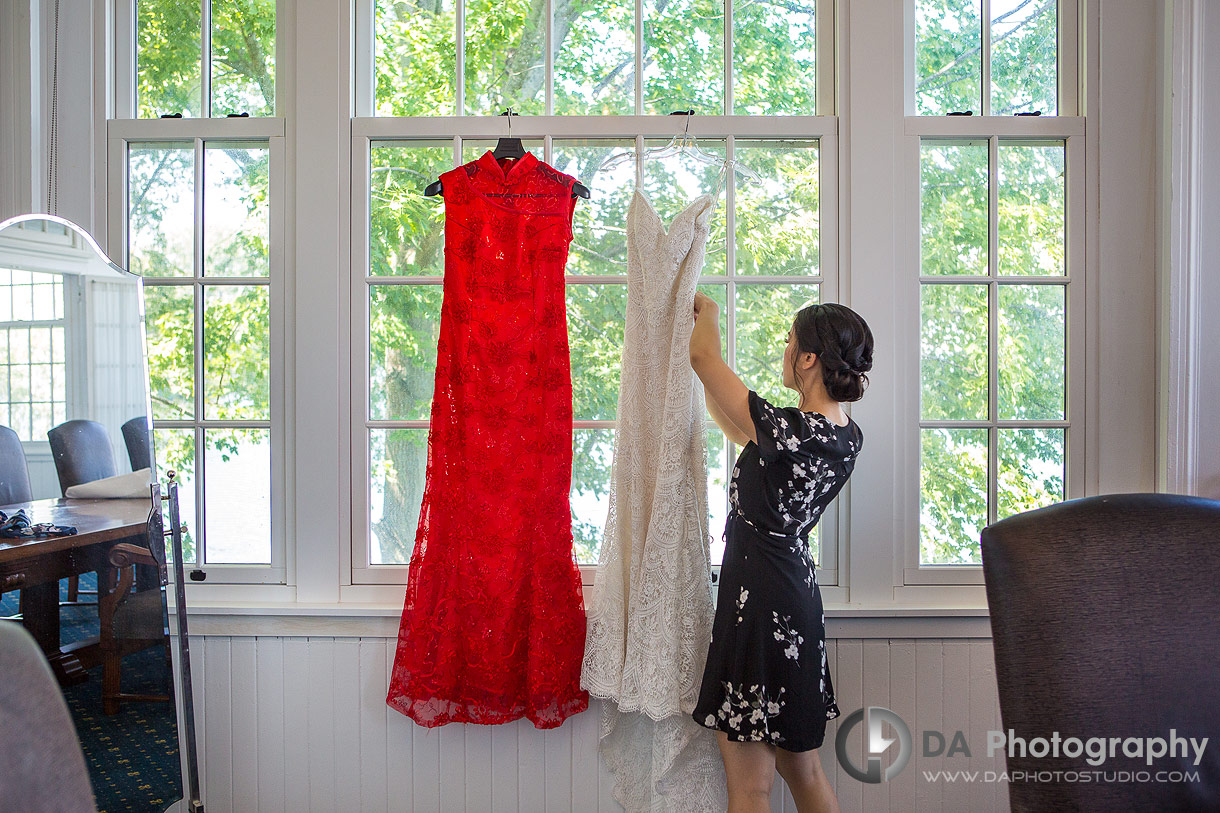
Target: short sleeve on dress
777 429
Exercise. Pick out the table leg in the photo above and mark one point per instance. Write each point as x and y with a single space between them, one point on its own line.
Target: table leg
40 616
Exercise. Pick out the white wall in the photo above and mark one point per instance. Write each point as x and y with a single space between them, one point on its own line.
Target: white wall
1208 272
300 724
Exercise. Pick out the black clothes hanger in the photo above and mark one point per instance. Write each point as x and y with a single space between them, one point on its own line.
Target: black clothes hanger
509 147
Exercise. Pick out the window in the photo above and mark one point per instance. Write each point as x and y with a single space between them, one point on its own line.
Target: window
205 58
195 203
961 238
33 384
989 57
772 248
999 236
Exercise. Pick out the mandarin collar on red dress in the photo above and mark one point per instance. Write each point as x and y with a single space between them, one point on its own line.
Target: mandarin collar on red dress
515 172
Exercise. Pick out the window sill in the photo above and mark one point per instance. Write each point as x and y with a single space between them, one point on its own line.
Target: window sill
380 620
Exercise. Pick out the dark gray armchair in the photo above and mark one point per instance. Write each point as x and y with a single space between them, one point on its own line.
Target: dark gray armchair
14 474
82 452
1105 617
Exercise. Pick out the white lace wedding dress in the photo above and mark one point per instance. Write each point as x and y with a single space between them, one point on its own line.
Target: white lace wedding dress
650 616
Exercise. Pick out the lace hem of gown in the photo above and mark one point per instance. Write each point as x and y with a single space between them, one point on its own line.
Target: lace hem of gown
434 712
680 770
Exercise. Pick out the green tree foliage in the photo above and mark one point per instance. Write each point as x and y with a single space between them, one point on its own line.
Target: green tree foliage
777 221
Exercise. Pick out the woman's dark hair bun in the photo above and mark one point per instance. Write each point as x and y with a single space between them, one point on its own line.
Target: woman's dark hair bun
843 342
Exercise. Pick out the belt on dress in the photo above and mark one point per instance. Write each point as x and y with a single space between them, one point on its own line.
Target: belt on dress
789 538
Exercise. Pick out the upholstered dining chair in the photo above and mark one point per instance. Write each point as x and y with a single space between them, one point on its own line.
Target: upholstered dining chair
14 474
82 454
1104 618
41 763
135 436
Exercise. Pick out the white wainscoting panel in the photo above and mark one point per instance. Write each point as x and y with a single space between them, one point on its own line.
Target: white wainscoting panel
300 723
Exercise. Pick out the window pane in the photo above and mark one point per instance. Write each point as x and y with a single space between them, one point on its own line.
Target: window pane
243 57
406 229
398 459
948 56
1033 352
600 223
237 359
684 56
161 210
953 495
596 315
594 57
777 221
168 51
592 456
236 212
237 471
1032 209
764 314
953 208
1031 473
415 54
773 58
1024 57
673 184
175 451
169 318
505 48
405 328
953 352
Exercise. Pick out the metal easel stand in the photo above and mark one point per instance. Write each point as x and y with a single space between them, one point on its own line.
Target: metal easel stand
187 736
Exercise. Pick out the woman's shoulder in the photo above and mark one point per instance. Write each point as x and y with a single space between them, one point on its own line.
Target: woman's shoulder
803 433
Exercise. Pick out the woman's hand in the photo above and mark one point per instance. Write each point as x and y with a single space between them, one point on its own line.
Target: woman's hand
704 304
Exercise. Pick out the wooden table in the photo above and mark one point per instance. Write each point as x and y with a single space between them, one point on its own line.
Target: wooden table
35 566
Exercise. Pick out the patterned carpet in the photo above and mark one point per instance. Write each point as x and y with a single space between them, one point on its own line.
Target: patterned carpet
133 755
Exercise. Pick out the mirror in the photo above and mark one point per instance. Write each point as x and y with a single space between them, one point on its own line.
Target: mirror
76 451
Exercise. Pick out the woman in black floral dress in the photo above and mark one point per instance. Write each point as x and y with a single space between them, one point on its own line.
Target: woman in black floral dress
766 688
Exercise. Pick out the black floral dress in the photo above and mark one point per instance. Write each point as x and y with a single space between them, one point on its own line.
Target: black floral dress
767 679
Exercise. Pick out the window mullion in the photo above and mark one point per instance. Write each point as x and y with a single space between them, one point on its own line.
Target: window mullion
459 90
639 58
548 79
728 57
198 366
730 198
985 89
205 62
993 326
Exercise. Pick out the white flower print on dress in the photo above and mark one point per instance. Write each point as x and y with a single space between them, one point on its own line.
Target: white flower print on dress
741 602
749 712
786 635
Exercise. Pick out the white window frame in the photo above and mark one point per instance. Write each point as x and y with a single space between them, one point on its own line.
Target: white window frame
123 129
1068 127
367 129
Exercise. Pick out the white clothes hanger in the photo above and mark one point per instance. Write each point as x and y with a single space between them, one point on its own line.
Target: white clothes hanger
682 144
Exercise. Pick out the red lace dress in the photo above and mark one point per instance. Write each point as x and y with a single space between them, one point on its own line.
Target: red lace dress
493 627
